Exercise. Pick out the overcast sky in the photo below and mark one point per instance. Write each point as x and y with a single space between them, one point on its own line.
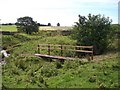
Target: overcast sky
53 11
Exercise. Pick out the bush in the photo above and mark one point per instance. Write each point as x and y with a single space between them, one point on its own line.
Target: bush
94 30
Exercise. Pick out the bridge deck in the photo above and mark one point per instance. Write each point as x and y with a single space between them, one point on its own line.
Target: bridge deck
54 57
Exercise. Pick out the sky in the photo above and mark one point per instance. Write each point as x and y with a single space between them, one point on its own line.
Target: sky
53 11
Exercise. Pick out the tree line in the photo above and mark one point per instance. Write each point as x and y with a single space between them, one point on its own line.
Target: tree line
39 24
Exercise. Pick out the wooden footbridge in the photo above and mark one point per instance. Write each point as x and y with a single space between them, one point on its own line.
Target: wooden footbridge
49 48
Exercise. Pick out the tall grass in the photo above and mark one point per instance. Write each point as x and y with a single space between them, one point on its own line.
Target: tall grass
28 43
33 72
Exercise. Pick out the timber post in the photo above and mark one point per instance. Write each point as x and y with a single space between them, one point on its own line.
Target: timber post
61 50
48 49
39 49
92 53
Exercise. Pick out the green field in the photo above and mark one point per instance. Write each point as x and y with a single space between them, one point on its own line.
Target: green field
33 72
55 28
12 28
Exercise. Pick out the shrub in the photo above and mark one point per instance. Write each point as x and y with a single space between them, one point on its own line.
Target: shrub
94 30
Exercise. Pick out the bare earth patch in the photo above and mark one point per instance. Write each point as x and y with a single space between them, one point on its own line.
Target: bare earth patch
106 56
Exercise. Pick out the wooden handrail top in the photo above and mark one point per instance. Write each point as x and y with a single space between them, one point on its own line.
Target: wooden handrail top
87 51
85 46
81 51
66 45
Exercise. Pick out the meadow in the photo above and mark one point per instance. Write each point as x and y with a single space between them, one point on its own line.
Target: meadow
12 28
24 70
55 28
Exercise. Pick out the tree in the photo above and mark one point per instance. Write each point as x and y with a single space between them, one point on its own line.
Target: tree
38 24
49 24
94 30
27 25
58 24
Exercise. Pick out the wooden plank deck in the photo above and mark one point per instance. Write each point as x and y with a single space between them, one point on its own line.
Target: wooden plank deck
54 57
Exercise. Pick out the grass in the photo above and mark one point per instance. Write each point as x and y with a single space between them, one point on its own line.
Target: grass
54 28
89 75
29 42
10 28
34 72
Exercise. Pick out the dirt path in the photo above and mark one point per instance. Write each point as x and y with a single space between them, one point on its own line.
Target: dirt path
106 56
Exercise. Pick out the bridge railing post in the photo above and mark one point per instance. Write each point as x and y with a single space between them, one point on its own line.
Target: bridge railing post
39 49
61 50
48 49
92 53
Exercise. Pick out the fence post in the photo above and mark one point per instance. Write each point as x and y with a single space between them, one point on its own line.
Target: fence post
38 48
61 50
48 49
92 53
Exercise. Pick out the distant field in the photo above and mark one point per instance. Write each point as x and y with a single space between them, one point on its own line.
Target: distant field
55 28
12 28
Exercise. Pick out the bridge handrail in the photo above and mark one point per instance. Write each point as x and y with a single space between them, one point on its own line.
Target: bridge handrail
50 47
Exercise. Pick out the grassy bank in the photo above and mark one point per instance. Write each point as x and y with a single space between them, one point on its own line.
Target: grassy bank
33 72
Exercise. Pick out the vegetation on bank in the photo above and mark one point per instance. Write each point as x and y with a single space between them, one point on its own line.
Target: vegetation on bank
34 72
